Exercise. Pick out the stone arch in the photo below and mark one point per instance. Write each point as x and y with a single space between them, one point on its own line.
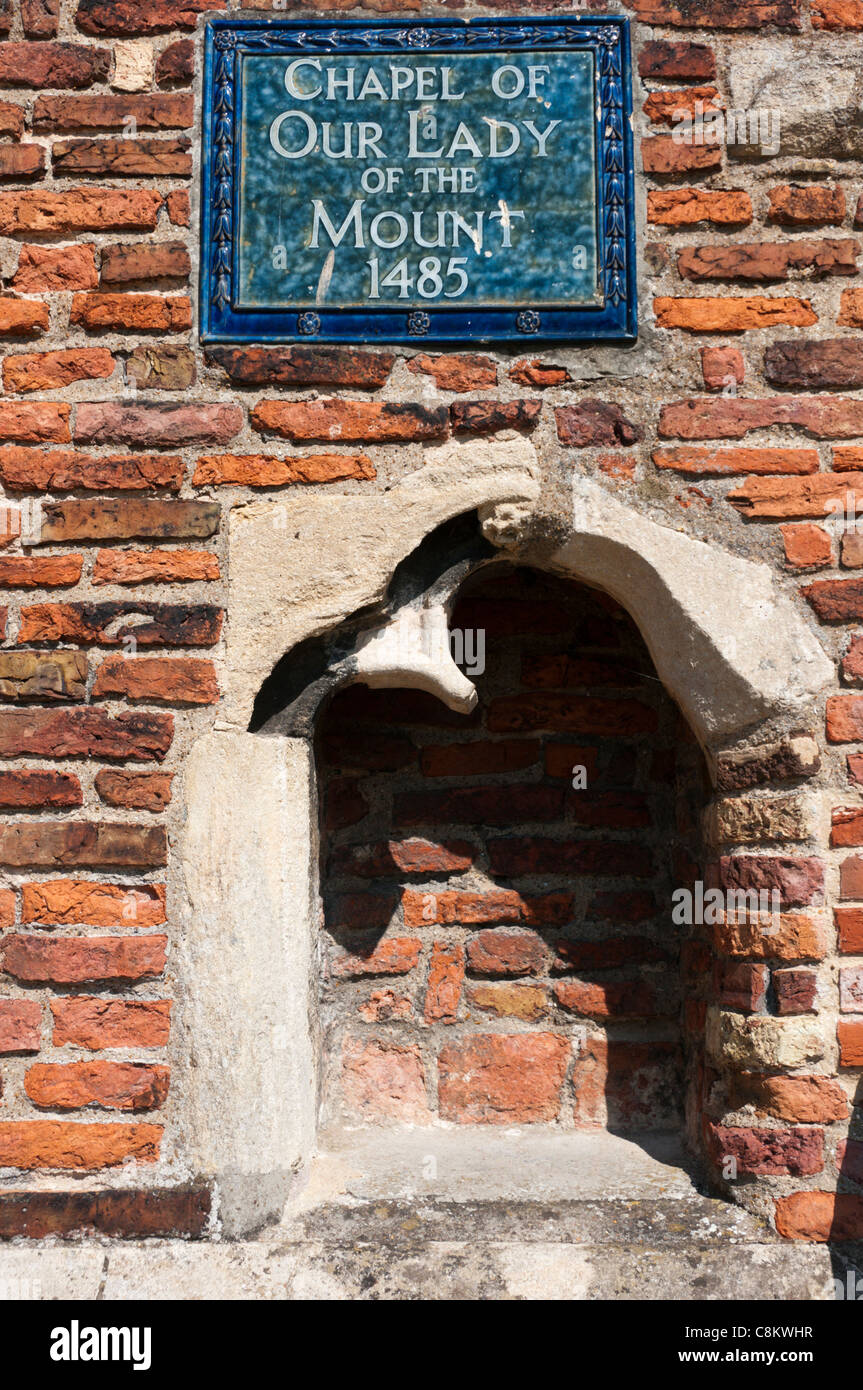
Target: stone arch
737 656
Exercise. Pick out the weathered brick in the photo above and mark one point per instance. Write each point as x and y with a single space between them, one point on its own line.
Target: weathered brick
796 991
799 937
176 64
44 677
593 422
19 162
446 974
725 462
798 1152
110 624
97 1022
123 158
105 1085
136 313
20 1025
381 1080
846 826
506 953
179 207
66 960
80 210
626 1084
820 1216
392 857
509 999
742 987
498 905
721 367
128 519
662 154
667 107
798 881
262 470
123 1212
303 366
851 877
21 317
40 18
806 546
43 268
28 790
129 265
720 14
157 680
826 363
837 14
798 497
69 902
513 855
134 791
685 207
676 61
800 205
42 65
163 368
851 309
794 756
479 805
851 989
122 17
849 1031
849 924
395 955
50 371
153 566
570 713
64 470
84 844
732 314
350 421
800 1099
612 999
168 424
837 601
149 111
65 1144
85 733
11 119
536 373
456 371
768 260
478 759
487 417
500 1079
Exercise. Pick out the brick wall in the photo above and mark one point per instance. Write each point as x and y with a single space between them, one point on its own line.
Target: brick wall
502 949
738 420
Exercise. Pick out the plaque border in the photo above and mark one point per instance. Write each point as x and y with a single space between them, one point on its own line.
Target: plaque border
615 320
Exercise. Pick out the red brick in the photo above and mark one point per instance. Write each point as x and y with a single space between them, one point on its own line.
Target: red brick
20 1025
64 470
68 960
662 154
845 718
743 987
123 17
593 422
157 680
344 804
127 519
796 991
800 1099
65 1144
847 826
381 1080
82 844
666 107
80 210
800 205
176 63
570 713
477 759
837 14
85 733
506 953
80 902
615 999
396 955
806 546
11 119
132 313
43 65
154 566
561 758
686 207
854 762
537 373
851 877
179 210
770 260
123 264
487 417
446 974
849 1031
851 989
135 791
498 905
34 422
515 855
21 317
123 158
500 1079
849 1159
171 624
722 366
820 495
27 789
820 1216
798 881
394 857
261 470
384 1005
123 1212
798 1152
457 372
678 61
303 366
97 1023
170 423
43 268
849 923
149 111
105 1085
479 805
510 999
50 371
40 18
18 162
830 362
633 1085
720 14
732 314
350 421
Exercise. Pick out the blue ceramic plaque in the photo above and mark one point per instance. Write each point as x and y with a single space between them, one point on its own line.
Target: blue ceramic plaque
433 180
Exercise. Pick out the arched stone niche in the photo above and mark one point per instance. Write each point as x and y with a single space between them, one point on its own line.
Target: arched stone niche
327 589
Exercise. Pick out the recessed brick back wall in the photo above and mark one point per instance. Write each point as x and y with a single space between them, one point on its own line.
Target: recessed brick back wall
738 420
500 945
